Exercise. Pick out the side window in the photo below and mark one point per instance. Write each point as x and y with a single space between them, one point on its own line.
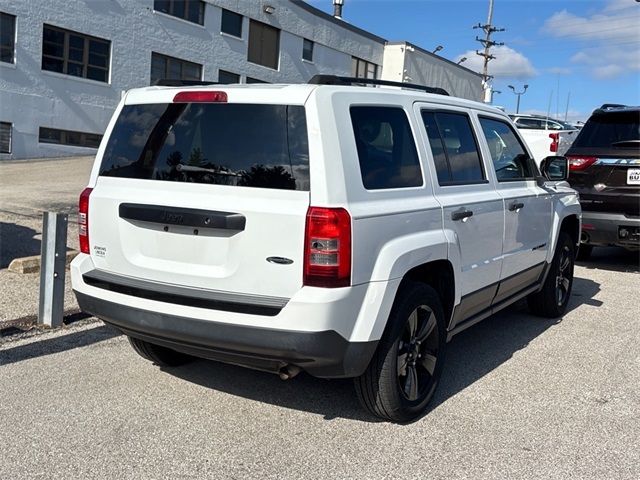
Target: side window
454 147
386 148
529 123
509 157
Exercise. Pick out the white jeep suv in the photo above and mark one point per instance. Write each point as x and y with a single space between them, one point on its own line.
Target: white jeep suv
347 231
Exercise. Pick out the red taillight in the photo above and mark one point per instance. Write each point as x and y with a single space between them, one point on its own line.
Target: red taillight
327 248
578 162
198 96
83 220
555 140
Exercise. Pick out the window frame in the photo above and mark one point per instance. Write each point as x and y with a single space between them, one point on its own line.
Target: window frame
305 42
414 136
85 55
485 177
167 59
532 164
64 133
171 12
13 37
226 11
9 149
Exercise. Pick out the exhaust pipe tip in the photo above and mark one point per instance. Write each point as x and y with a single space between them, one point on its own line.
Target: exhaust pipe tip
288 372
584 237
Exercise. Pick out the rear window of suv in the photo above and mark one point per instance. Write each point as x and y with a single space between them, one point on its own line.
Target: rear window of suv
225 144
619 129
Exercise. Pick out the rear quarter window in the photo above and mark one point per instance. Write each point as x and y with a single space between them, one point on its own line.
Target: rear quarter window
242 145
386 148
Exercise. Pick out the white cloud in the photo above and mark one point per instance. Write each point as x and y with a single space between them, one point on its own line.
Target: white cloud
507 64
610 37
607 71
559 70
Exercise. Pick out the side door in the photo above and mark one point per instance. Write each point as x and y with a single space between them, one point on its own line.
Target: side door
473 212
527 207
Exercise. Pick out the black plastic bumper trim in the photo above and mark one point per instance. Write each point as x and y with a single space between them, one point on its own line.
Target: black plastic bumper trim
323 354
187 296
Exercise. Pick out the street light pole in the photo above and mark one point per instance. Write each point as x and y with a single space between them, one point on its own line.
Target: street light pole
518 94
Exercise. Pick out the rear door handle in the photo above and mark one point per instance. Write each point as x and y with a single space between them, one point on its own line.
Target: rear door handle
515 206
461 214
184 217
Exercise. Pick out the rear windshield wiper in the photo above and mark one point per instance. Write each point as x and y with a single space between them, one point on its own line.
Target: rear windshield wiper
626 143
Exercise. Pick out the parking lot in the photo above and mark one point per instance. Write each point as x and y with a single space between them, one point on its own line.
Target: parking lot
521 396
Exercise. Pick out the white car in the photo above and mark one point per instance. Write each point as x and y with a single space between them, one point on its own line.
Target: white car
545 136
347 231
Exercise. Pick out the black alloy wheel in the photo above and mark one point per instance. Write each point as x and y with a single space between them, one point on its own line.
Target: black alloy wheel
553 298
404 372
564 275
418 353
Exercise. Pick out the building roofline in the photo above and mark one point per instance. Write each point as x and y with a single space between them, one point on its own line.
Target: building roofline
336 21
427 52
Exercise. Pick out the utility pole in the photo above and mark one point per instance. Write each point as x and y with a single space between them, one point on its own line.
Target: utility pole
487 43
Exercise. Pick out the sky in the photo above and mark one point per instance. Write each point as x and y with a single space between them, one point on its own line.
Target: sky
578 52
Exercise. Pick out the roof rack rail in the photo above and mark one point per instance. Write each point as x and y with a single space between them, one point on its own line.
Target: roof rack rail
345 81
166 82
611 105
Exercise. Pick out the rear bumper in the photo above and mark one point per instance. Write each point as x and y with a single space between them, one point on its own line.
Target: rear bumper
601 228
322 354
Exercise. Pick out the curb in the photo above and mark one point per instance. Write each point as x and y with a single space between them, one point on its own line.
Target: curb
32 264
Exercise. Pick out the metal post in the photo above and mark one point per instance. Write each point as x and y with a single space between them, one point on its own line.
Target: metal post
52 268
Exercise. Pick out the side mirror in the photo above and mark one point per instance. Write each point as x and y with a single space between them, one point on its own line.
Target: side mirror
555 169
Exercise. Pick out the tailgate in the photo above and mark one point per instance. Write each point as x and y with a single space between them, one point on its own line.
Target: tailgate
204 195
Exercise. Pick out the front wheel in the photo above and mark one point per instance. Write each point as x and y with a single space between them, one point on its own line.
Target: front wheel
405 370
552 300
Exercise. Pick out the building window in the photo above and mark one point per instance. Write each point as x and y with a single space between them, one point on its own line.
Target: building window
228 77
5 137
69 137
164 67
189 10
307 50
7 38
255 80
363 69
75 54
231 23
264 44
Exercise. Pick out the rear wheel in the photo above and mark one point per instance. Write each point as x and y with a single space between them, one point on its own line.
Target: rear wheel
405 370
161 356
584 252
552 300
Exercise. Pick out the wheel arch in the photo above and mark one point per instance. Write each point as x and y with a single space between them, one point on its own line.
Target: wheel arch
439 275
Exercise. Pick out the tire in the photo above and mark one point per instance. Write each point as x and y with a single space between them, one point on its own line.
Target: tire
397 385
584 252
161 356
552 300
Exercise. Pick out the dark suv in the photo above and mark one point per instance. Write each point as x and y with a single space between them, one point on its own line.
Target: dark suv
604 163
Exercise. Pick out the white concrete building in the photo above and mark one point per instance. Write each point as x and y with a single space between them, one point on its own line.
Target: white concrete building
64 64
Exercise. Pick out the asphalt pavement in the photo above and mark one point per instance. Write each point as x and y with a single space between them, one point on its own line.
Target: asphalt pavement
521 397
27 189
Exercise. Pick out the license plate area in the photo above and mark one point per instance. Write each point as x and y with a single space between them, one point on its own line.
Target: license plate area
633 176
